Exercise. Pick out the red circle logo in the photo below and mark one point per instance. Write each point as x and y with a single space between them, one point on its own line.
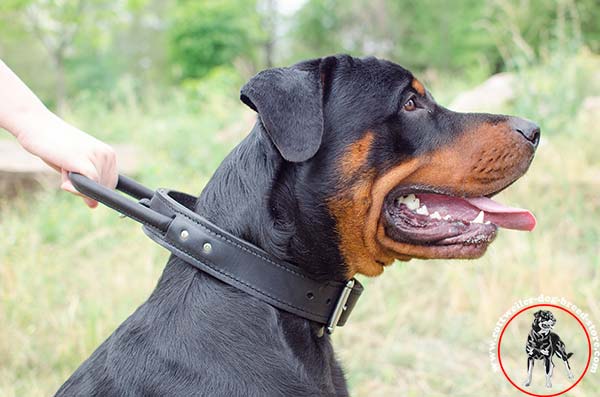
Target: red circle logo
578 379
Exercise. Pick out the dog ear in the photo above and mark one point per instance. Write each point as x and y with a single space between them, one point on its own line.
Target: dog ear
289 102
537 314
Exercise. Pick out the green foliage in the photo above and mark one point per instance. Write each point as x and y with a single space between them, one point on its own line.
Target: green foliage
470 38
59 26
85 45
589 15
317 28
405 31
525 31
207 34
90 45
450 40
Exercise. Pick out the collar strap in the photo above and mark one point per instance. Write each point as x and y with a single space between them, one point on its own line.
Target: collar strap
168 219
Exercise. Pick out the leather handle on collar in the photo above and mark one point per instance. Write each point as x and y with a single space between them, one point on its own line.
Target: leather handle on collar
168 218
110 198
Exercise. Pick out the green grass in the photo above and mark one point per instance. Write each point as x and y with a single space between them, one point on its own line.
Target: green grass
69 276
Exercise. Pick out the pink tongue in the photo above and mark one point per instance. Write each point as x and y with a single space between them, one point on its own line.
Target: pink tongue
503 216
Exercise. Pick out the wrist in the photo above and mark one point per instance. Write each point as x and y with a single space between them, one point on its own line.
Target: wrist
28 122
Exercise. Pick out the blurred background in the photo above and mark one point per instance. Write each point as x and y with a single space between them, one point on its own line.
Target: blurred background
162 78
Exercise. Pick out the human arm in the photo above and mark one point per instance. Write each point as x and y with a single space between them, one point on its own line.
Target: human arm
61 145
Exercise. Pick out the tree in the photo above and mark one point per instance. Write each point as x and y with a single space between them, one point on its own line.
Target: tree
471 37
210 33
412 33
269 18
318 29
58 24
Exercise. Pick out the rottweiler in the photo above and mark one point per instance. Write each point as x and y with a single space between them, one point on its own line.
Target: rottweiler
351 164
543 344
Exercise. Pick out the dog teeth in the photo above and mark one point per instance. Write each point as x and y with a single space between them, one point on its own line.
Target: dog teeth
422 210
412 202
405 199
478 218
436 215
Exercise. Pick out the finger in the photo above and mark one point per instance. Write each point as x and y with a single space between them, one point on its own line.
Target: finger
87 169
53 166
114 174
109 176
106 166
67 185
90 203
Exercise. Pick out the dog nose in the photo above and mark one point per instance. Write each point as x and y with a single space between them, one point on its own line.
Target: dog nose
528 129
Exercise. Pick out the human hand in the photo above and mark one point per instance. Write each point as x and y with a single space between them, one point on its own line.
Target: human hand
42 133
66 148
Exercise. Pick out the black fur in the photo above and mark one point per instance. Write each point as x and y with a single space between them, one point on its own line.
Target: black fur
288 101
196 336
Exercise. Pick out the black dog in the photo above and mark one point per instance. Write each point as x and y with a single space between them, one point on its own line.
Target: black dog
344 153
542 344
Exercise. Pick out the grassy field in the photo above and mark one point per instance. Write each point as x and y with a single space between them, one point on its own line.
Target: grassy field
69 276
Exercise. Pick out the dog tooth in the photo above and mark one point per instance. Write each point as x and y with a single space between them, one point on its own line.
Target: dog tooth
487 222
412 205
403 199
478 218
422 210
436 215
447 217
412 202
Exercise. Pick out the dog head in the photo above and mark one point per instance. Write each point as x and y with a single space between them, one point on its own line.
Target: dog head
543 321
375 170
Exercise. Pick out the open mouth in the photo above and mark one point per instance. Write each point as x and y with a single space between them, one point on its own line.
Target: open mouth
424 217
547 325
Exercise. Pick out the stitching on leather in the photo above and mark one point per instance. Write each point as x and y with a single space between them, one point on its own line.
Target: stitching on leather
215 268
231 242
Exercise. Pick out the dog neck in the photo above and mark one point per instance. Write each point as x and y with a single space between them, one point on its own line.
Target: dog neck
254 195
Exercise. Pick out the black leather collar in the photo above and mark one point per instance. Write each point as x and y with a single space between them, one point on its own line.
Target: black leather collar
168 219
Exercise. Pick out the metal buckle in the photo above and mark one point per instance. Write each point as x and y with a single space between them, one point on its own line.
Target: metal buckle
340 307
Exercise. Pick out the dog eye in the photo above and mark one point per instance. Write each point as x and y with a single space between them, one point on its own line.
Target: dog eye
409 106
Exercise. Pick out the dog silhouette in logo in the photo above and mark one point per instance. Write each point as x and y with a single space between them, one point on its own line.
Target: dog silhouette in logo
543 344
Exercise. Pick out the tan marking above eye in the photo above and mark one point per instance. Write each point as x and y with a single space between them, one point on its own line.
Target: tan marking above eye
417 86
